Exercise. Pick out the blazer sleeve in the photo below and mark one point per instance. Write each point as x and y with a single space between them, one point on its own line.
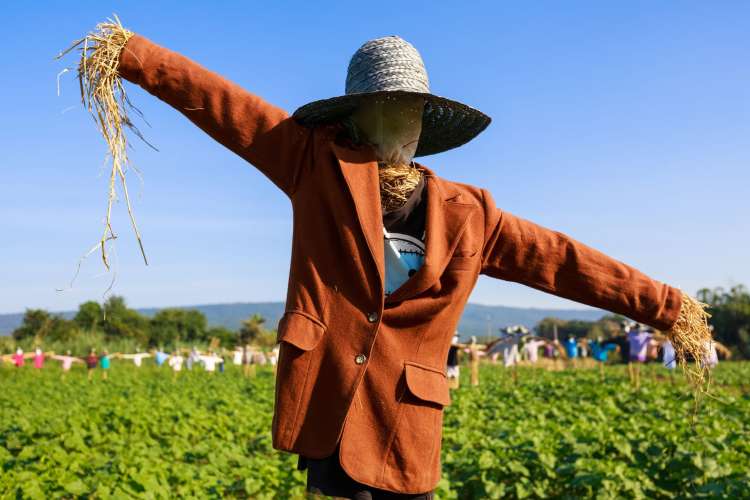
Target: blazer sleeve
261 133
519 250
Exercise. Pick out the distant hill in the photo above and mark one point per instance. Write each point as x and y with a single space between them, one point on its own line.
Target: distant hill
476 318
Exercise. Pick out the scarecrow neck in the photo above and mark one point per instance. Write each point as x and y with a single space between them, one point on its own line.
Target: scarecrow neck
397 182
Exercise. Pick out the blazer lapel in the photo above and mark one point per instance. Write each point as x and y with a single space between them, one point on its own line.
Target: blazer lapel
360 169
446 218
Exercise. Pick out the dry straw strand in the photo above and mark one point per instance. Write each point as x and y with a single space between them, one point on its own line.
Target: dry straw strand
103 95
397 182
691 337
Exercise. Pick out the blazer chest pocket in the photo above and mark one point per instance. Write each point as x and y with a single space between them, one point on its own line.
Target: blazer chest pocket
463 260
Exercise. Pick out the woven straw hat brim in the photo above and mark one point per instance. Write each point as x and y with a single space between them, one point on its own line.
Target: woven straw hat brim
446 124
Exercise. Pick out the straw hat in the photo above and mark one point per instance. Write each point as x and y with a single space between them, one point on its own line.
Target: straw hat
392 66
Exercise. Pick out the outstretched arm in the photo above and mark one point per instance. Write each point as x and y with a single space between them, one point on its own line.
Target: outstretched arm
259 132
722 349
519 250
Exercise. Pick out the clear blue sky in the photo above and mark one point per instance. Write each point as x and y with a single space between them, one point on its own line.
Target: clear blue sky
623 124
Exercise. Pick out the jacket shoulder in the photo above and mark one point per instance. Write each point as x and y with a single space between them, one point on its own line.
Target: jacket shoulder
464 193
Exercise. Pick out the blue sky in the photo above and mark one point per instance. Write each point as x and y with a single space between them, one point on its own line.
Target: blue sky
625 125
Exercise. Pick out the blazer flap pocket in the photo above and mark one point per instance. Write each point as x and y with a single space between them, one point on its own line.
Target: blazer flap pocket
427 383
300 329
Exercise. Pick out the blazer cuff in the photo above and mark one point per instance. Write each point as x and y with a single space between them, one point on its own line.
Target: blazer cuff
671 310
133 58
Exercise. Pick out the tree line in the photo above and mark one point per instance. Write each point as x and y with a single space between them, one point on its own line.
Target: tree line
113 322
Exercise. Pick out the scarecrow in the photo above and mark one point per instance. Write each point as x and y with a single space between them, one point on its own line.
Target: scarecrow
475 352
385 252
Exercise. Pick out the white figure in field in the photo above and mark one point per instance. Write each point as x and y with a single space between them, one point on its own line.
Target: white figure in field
175 362
137 358
210 361
510 352
237 356
531 348
712 357
509 345
193 358
714 347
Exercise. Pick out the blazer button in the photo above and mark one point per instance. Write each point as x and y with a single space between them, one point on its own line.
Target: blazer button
360 358
372 317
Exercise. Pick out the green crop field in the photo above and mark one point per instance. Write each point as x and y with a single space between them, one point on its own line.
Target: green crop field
552 434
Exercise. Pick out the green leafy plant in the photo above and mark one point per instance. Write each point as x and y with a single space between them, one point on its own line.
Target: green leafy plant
550 434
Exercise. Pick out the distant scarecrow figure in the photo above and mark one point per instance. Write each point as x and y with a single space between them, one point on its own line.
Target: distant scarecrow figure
475 352
385 252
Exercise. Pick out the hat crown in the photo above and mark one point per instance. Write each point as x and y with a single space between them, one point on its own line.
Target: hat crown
386 64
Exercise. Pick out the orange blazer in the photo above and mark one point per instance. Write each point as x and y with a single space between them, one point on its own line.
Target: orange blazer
352 365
